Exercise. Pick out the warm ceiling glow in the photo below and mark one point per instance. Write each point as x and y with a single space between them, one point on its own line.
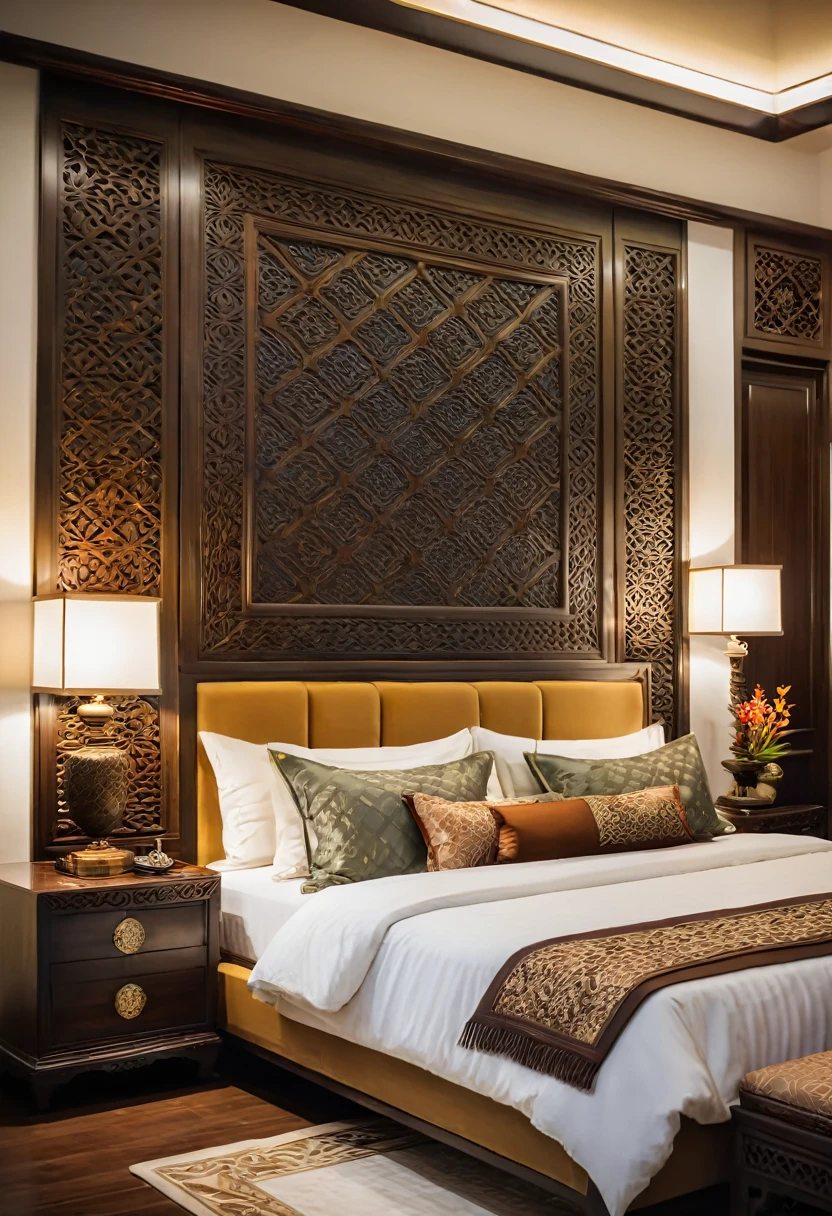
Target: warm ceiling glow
526 29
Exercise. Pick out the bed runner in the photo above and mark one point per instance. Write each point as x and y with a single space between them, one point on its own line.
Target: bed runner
559 1005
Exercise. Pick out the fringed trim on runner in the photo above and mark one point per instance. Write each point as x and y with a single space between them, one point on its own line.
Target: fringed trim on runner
517 1045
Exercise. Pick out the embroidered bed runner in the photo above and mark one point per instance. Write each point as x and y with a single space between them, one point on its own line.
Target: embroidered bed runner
559 1005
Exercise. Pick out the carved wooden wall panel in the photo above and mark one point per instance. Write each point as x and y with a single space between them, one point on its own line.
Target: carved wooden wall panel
407 419
787 295
404 366
110 447
650 406
107 410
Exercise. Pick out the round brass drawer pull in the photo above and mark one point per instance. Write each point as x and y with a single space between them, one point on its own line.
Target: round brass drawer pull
128 936
130 1001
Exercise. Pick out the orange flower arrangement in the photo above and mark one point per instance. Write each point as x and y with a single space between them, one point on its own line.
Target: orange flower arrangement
761 726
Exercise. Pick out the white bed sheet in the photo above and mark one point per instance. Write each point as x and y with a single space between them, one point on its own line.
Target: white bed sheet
399 965
254 906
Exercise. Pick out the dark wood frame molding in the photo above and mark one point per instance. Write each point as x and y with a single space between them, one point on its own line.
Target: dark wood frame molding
494 47
456 158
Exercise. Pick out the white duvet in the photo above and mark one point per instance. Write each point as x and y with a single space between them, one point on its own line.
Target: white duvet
400 964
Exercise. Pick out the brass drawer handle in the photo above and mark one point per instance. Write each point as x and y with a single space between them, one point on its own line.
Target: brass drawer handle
130 1001
128 936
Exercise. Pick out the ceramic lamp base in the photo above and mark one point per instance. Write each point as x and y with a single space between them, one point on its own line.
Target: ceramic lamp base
96 861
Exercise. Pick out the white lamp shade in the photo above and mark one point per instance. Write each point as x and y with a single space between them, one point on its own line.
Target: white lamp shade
734 600
96 644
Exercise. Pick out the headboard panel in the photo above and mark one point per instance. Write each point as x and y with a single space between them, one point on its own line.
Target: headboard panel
330 714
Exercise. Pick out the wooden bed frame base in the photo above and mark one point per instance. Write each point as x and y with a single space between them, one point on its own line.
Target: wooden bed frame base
701 1155
591 1203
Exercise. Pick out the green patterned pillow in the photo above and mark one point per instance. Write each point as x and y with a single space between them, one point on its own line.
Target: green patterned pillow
363 826
677 763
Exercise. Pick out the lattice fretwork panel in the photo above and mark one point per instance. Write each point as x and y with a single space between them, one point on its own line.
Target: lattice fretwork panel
788 294
649 375
407 421
110 439
357 351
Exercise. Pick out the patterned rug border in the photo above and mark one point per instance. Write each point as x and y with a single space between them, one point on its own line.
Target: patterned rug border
238 1186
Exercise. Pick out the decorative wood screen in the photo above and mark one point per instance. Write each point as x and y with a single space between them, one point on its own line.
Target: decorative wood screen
418 424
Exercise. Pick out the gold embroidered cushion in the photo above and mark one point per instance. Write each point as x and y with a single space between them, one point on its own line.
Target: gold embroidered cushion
460 834
457 834
580 827
805 1084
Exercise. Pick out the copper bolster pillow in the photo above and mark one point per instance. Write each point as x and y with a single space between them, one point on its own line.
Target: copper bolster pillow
580 827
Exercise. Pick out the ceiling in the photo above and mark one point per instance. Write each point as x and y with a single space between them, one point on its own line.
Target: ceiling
762 67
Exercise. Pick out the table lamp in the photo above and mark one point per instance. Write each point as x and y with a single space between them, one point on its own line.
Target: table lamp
730 600
100 645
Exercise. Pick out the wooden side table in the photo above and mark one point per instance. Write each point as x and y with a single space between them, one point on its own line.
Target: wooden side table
106 973
808 820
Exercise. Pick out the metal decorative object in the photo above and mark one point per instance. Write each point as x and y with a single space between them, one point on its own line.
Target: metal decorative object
128 936
130 1001
157 861
95 790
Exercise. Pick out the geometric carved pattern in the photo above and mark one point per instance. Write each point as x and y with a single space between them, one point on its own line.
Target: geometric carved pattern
135 728
407 424
110 473
130 897
649 373
784 1163
110 431
422 248
788 294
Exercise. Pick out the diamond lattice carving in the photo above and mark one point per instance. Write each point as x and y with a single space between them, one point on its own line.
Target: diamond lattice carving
368 400
788 294
649 371
423 370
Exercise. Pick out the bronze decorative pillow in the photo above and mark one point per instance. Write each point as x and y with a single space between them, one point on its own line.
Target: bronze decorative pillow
580 827
457 834
461 834
677 763
361 822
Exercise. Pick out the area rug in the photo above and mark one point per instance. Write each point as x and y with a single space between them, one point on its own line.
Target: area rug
358 1168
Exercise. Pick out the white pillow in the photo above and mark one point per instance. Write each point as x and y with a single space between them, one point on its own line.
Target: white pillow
261 824
290 859
245 784
515 775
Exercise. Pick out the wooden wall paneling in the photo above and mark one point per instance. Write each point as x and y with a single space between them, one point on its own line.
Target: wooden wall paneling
787 292
784 495
651 491
107 496
317 230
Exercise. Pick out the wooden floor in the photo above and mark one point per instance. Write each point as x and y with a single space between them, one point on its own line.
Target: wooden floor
74 1161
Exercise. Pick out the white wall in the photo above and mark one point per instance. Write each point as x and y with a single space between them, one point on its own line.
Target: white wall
18 259
282 52
711 467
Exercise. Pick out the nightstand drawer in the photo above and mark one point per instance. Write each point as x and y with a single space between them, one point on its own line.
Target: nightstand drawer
90 935
114 1006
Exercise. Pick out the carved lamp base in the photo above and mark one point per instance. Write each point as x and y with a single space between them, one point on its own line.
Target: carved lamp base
737 653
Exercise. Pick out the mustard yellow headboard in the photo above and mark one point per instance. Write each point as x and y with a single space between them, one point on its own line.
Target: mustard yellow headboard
387 714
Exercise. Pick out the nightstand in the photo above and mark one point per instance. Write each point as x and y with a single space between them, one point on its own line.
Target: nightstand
808 820
106 973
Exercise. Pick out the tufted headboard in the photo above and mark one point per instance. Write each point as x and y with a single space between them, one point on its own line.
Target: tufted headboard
385 713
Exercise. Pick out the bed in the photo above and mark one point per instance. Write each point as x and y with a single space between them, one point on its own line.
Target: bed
408 1081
